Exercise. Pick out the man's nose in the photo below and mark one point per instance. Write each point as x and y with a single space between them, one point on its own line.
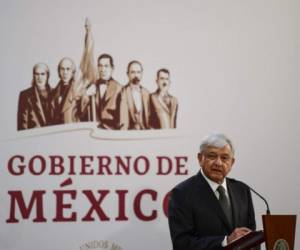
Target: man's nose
218 161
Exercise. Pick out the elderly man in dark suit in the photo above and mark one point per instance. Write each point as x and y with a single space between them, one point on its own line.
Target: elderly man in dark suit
64 96
209 210
35 108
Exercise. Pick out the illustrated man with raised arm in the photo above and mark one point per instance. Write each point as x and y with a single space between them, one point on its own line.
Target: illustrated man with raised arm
210 210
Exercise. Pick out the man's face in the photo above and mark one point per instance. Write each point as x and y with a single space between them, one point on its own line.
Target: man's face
163 81
40 76
66 70
216 162
105 69
135 73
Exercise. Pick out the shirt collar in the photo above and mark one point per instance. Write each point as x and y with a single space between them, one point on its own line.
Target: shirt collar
213 184
135 87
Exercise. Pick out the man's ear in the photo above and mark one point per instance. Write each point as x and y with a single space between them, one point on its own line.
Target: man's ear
200 157
233 161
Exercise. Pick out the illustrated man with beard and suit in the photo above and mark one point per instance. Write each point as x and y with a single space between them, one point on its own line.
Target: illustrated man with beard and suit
102 99
35 108
134 107
209 210
64 96
163 106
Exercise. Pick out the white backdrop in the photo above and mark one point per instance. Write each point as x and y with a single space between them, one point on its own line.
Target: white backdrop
234 68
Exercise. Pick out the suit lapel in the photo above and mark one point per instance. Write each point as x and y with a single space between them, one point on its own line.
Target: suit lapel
173 106
234 202
212 200
162 104
111 89
37 107
173 112
145 106
130 102
68 99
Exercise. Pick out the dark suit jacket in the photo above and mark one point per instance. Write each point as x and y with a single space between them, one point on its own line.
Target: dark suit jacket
128 118
107 108
31 112
65 106
196 219
162 116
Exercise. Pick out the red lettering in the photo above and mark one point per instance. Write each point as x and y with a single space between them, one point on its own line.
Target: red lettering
85 165
166 204
104 162
137 205
96 205
124 167
146 165
17 198
121 194
61 205
20 168
56 163
168 165
32 165
181 165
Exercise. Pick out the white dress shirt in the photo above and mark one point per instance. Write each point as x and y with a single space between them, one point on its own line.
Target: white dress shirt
137 97
214 187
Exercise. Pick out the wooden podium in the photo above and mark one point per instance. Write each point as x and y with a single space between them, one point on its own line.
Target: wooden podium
279 234
279 231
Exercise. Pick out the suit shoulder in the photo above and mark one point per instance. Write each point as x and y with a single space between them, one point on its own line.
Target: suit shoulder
186 184
174 99
117 84
26 92
183 191
239 184
153 96
55 89
145 90
126 86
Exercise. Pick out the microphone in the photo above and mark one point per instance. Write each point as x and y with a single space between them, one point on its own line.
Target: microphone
259 195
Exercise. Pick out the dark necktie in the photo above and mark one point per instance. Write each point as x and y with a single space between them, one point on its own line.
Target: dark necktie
225 203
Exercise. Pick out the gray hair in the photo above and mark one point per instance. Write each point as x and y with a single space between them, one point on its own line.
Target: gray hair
216 140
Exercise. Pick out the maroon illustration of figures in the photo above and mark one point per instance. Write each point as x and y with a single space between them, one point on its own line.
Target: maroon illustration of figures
96 96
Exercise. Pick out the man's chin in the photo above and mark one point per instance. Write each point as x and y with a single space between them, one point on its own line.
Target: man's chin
218 178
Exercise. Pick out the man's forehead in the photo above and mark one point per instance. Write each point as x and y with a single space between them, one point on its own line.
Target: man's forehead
40 69
222 150
135 67
163 75
104 61
66 64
